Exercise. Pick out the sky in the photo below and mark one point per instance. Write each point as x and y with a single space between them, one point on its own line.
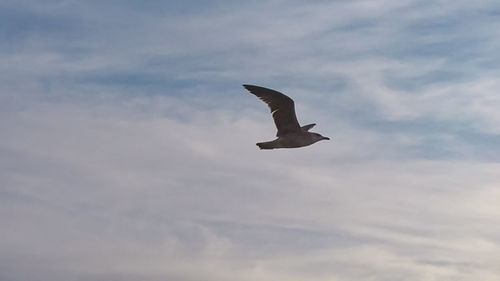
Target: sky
127 143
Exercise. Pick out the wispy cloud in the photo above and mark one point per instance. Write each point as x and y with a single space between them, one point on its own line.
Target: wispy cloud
127 147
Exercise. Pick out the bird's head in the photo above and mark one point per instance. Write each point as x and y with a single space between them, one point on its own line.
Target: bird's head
317 137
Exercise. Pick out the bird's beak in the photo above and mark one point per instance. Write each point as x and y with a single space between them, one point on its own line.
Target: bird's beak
325 138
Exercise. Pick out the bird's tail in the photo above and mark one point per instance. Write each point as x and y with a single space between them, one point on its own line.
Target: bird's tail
266 145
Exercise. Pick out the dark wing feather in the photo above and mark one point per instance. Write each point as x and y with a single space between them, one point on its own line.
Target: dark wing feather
282 109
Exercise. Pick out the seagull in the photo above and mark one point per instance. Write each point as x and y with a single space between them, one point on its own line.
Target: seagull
290 134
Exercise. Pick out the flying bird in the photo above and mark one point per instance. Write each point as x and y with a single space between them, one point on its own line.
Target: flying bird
290 134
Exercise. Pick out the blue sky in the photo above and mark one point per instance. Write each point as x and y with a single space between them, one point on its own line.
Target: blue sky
128 144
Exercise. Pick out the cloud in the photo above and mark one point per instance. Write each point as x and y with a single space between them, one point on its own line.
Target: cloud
128 145
127 196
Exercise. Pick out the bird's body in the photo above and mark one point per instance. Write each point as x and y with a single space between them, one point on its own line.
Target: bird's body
290 134
292 140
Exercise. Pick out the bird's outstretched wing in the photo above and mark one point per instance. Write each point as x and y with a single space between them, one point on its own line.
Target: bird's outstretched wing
282 109
307 127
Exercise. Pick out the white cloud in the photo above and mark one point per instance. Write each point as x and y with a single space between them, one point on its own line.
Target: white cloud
124 180
146 196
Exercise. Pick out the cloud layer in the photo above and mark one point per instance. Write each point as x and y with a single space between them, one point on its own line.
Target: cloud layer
128 144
